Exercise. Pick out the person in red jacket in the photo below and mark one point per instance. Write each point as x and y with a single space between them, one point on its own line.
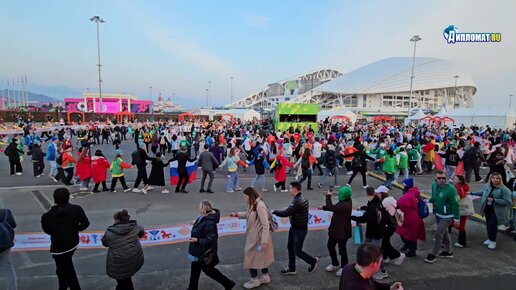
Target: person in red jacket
68 164
280 164
462 187
83 168
413 228
99 165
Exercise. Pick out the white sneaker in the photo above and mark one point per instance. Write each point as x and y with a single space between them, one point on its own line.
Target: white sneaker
502 227
83 188
331 268
127 190
144 191
486 242
399 260
365 186
458 245
492 245
136 190
165 191
264 279
339 272
252 283
274 187
38 175
18 173
349 172
150 188
284 190
380 275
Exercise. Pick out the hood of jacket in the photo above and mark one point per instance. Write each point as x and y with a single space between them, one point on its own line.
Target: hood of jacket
122 228
414 191
214 215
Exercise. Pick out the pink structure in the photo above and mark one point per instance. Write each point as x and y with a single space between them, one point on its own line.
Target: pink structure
110 104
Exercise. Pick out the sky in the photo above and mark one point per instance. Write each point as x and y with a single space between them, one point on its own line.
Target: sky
177 47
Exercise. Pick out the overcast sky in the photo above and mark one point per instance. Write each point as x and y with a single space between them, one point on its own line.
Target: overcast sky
178 46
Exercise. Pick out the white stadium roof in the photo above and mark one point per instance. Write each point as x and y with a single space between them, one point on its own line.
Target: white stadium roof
393 75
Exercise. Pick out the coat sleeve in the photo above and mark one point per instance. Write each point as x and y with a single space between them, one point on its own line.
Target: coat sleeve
332 207
47 228
83 222
455 203
210 234
141 231
287 212
105 240
263 216
506 199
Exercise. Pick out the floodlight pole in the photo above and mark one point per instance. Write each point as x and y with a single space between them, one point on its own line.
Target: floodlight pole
98 20
414 39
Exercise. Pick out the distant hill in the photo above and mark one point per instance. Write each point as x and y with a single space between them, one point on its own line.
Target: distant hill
31 96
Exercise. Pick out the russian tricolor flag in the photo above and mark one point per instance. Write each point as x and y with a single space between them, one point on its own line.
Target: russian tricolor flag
191 168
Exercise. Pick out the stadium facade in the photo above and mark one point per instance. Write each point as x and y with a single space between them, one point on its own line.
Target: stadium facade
380 88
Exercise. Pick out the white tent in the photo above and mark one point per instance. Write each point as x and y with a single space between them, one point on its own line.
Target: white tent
242 114
494 117
322 115
416 117
442 112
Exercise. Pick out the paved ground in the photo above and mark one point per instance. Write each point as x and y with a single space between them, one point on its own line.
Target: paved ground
167 267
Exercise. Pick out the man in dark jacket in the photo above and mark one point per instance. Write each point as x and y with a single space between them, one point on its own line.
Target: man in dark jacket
14 157
298 214
142 171
330 164
38 160
473 158
359 164
182 157
359 276
6 264
340 227
206 161
63 222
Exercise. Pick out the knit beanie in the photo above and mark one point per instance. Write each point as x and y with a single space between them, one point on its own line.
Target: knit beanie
345 193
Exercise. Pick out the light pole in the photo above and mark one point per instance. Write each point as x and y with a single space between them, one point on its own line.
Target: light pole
456 77
209 94
150 93
98 20
174 98
231 90
206 98
510 101
414 39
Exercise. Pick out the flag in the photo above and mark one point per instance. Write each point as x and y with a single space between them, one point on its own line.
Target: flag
191 168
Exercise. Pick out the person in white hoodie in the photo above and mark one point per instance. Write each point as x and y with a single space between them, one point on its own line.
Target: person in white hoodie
389 203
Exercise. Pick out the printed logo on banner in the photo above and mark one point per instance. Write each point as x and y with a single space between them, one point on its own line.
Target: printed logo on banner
184 231
154 235
165 235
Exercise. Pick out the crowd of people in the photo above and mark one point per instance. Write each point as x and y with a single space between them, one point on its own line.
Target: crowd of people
397 151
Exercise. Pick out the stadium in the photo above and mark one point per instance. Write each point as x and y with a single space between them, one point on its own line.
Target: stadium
380 88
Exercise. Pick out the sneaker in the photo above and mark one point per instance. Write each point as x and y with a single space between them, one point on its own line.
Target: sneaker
136 190
349 172
399 260
365 186
182 191
309 188
331 268
210 191
165 191
265 190
314 266
339 272
503 228
55 180
264 279
287 271
274 187
201 190
144 191
252 283
230 191
486 242
445 254
430 258
386 261
150 188
38 175
19 173
238 188
284 190
95 191
296 178
458 245
127 190
319 185
492 245
114 190
380 275
83 188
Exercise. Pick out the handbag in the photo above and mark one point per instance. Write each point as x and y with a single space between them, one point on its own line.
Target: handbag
466 206
209 258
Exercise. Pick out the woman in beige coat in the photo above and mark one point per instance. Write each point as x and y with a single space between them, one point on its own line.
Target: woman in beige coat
259 252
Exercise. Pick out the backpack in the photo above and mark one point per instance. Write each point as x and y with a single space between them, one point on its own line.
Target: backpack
6 232
357 161
135 157
331 160
422 208
305 163
387 221
273 224
59 159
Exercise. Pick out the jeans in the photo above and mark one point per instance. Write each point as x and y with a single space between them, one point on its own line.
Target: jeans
450 171
377 242
66 272
403 171
491 223
362 171
342 252
442 235
53 168
141 176
86 182
7 269
211 272
254 272
296 238
204 174
259 178
233 181
307 174
124 284
327 171
389 178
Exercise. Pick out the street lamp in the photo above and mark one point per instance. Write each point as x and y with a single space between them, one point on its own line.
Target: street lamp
414 39
209 94
510 101
98 20
231 90
150 93
206 98
456 77
174 98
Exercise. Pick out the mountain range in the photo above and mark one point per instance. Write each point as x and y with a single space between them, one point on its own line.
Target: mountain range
41 98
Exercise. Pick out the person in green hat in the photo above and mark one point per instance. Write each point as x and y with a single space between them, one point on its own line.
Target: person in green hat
340 228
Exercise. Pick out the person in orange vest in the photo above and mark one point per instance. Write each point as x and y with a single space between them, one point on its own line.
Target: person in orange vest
349 150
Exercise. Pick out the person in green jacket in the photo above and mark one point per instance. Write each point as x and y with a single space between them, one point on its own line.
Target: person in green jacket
413 158
445 201
389 167
117 171
402 164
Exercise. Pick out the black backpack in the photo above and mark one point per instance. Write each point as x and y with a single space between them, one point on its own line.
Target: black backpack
331 160
305 163
357 161
387 221
59 159
135 157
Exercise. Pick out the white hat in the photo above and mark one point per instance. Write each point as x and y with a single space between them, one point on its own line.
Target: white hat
381 189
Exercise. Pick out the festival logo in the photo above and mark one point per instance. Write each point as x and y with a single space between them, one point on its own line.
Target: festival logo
452 35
